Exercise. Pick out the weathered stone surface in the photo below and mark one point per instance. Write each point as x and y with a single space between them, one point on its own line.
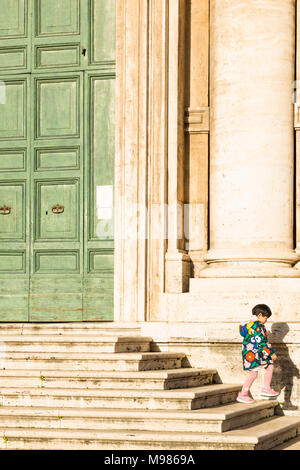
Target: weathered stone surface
257 436
108 405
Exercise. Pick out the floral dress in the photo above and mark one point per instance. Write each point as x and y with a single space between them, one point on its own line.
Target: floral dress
256 351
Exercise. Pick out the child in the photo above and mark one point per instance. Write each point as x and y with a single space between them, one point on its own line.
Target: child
256 353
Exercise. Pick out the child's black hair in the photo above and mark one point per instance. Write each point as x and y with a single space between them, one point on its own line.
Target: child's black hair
263 309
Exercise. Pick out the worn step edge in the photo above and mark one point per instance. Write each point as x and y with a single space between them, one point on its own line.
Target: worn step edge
95 333
133 356
98 374
118 398
90 364
61 328
269 432
209 414
69 379
190 415
291 444
72 325
187 393
148 439
155 420
31 339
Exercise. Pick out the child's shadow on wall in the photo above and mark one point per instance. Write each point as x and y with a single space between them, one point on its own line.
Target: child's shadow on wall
284 368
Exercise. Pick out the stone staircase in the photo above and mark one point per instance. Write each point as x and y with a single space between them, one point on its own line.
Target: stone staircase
99 386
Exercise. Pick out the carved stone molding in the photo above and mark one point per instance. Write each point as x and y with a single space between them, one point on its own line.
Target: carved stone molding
196 120
297 118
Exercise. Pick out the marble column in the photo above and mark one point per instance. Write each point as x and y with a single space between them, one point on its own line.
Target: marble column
252 140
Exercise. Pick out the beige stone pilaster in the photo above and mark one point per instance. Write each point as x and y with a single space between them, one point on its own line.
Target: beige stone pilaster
252 139
141 158
157 157
197 132
131 160
297 133
177 271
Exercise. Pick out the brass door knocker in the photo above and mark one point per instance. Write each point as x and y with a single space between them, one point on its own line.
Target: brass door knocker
5 210
58 209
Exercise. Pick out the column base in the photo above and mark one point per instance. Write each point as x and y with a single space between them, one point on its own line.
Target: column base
197 262
254 263
297 265
178 266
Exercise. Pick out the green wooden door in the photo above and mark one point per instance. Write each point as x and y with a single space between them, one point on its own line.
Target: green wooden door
57 97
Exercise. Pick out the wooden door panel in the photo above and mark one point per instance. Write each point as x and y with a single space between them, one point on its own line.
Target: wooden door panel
53 159
101 156
102 32
13 160
57 17
13 58
14 292
99 240
58 107
12 262
56 56
58 210
98 298
12 211
13 18
56 261
13 116
55 298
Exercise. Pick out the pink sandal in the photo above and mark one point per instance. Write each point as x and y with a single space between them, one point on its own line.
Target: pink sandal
244 398
268 393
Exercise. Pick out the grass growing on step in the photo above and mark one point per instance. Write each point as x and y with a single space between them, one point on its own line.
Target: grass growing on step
5 439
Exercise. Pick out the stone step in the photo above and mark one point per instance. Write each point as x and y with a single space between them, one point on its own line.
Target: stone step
161 380
64 343
293 444
216 419
90 361
177 399
258 436
76 328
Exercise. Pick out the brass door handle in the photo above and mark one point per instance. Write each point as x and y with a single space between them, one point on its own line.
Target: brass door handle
5 210
58 209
